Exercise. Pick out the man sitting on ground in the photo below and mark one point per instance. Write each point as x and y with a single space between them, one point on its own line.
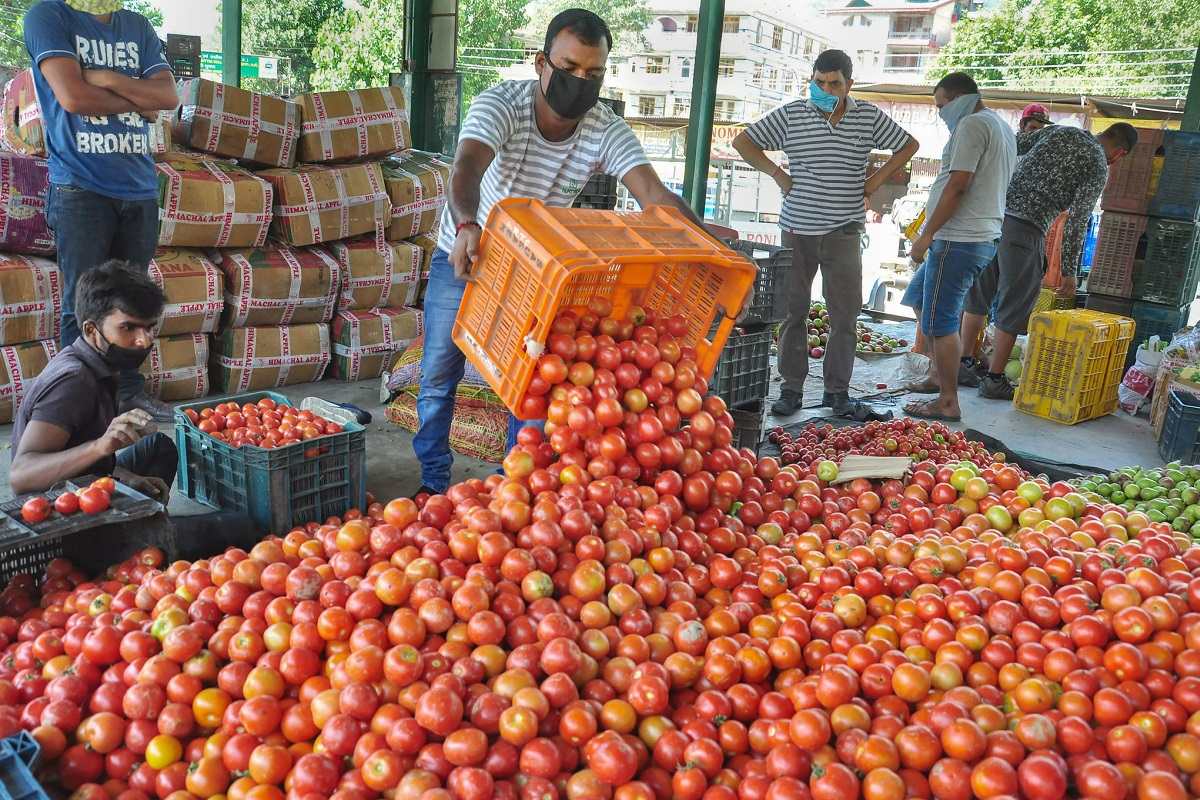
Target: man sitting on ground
68 424
1062 169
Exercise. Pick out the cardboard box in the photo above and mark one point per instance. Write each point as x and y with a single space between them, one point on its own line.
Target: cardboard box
315 204
278 285
416 182
365 342
208 203
19 365
195 290
428 243
30 299
24 183
229 121
377 274
344 125
250 359
21 117
177 367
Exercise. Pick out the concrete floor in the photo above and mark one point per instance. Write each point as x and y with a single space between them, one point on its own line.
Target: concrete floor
1113 441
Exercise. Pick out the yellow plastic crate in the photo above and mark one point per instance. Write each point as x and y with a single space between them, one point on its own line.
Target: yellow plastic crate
1074 361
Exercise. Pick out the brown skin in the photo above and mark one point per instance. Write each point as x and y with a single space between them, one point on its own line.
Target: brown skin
40 460
1031 124
473 158
836 84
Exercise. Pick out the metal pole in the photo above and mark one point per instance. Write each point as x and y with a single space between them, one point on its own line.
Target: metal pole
231 42
704 100
417 34
1191 111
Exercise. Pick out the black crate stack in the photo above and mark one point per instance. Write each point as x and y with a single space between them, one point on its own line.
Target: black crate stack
1147 261
601 190
743 374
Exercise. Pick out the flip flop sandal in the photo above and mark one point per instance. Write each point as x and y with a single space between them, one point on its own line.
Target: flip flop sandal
926 387
927 410
861 412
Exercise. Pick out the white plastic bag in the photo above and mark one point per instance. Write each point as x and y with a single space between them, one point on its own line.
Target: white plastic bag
1138 385
913 369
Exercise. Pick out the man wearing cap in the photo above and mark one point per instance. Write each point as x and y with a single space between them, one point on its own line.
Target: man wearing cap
100 79
1033 117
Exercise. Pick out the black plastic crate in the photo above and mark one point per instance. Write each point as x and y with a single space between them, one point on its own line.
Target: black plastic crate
1178 192
748 426
1181 429
1172 266
1106 304
277 488
770 283
743 372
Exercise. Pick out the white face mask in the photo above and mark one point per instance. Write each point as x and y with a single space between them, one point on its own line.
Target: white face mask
953 112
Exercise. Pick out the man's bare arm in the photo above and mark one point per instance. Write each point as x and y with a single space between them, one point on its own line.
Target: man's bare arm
156 93
40 460
77 95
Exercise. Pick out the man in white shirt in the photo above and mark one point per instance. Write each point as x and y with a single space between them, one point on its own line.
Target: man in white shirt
539 139
962 225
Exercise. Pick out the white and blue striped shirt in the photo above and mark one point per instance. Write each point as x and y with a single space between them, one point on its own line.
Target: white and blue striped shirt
828 163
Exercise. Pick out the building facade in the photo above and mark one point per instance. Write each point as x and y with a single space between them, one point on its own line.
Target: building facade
893 42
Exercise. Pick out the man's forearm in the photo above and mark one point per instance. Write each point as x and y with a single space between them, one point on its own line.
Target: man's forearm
92 101
464 196
896 163
36 472
145 95
682 205
754 156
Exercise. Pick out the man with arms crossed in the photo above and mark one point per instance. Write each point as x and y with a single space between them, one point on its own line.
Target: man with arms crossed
962 224
540 139
828 140
1061 169
100 79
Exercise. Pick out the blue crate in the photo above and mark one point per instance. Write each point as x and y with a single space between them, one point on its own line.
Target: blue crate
277 488
1180 440
1178 192
18 757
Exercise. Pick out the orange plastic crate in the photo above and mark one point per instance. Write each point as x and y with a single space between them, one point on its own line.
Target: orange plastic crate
536 261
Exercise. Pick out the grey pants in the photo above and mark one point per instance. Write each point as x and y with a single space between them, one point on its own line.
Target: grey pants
1011 283
838 254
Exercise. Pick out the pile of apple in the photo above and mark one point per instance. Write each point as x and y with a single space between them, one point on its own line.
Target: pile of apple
899 437
635 610
866 340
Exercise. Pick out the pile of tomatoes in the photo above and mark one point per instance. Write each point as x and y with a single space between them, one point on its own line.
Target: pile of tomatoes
94 498
265 424
898 437
636 611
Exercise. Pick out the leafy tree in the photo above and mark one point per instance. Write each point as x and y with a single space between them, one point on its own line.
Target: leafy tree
12 43
626 19
490 26
360 46
287 29
1066 46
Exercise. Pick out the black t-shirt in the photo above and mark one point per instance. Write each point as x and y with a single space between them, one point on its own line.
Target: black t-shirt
77 392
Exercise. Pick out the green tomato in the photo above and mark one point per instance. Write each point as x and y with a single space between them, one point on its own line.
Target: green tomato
827 471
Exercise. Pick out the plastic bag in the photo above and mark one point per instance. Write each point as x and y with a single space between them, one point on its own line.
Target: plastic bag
914 368
1138 385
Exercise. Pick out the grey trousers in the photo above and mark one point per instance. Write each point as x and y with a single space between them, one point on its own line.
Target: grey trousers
838 255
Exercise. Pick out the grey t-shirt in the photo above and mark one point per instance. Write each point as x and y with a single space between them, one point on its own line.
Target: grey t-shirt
983 145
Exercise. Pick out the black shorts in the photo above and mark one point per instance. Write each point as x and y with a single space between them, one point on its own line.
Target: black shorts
1013 279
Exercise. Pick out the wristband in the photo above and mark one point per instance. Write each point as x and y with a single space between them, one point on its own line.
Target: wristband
469 223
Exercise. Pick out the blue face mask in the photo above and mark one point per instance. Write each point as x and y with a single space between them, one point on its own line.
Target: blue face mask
822 99
953 112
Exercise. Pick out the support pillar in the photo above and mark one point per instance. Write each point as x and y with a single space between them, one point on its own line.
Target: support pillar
704 100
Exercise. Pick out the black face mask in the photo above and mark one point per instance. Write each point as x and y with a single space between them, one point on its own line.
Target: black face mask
123 358
571 96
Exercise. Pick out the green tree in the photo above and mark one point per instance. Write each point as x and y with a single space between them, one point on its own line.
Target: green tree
287 29
487 34
1078 46
360 46
627 19
12 43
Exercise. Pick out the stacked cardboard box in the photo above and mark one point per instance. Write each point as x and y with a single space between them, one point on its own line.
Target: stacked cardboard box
177 368
24 188
30 311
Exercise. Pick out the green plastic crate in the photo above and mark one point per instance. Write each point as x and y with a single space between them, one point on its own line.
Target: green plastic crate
277 488
1171 270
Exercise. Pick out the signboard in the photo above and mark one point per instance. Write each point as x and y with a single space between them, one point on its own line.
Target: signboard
252 66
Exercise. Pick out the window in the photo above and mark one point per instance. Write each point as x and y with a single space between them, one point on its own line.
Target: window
911 26
685 68
725 68
758 76
693 23
731 25
797 38
656 65
777 38
810 46
773 79
848 21
668 24
726 110
651 105
681 107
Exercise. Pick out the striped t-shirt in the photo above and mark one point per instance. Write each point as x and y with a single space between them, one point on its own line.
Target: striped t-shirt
526 165
828 164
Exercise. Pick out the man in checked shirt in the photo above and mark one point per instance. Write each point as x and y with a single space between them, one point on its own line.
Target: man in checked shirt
1063 169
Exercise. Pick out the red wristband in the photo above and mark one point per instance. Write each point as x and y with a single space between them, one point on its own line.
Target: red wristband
469 223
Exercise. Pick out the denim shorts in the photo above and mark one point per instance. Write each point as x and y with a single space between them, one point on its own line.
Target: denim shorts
939 287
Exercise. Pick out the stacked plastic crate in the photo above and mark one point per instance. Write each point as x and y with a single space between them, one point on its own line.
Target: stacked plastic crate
601 190
1147 260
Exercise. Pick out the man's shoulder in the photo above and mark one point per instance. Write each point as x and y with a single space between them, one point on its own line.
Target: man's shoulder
47 12
508 91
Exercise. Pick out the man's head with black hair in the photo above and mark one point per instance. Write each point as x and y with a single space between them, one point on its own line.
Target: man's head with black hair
117 304
833 72
956 84
1118 140
583 25
571 66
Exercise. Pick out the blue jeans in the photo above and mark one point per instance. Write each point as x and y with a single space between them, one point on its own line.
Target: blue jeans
442 366
152 456
90 229
939 288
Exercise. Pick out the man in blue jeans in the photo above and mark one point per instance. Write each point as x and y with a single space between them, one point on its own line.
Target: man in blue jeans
962 223
100 79
540 139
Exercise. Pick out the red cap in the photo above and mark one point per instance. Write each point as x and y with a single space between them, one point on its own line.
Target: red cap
1035 111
